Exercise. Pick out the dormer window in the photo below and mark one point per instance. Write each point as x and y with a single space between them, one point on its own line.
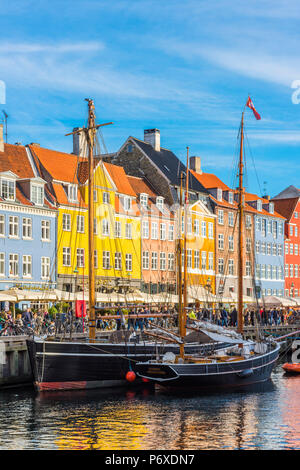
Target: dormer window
230 197
8 189
72 193
259 205
127 203
144 200
160 202
37 194
271 208
219 194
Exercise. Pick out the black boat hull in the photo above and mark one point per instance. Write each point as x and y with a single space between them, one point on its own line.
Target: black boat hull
210 376
70 365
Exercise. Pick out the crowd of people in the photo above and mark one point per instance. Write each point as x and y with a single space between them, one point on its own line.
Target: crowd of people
42 321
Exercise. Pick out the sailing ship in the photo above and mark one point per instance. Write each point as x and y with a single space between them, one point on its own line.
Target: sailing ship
244 362
68 365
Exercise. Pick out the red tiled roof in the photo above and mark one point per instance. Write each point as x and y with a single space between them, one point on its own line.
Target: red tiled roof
120 179
286 207
15 159
209 181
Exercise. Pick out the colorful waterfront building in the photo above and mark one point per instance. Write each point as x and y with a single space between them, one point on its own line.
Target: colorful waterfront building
27 223
269 246
116 222
158 240
287 203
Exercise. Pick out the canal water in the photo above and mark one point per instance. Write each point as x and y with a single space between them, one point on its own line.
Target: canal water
265 417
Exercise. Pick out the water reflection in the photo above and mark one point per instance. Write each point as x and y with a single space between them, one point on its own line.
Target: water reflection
266 416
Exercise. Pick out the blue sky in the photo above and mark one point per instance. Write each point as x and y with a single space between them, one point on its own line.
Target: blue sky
183 67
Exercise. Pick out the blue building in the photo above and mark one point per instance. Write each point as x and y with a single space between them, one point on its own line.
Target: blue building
27 224
269 247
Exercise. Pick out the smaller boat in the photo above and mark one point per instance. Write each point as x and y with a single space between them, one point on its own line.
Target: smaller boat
291 368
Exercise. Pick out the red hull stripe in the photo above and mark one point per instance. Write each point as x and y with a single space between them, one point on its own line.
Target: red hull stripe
47 386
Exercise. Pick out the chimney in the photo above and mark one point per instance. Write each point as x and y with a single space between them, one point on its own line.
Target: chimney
1 138
195 164
79 144
35 144
152 137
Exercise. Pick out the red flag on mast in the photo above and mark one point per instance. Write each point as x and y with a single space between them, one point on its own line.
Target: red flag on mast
251 106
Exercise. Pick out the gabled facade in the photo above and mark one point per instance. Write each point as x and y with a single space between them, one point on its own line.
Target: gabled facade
269 247
116 222
27 224
287 203
158 239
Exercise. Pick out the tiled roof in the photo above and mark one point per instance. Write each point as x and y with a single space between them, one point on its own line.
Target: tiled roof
288 193
209 181
286 207
61 166
15 159
120 179
169 164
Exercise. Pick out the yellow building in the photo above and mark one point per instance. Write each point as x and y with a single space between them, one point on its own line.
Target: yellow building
116 226
199 226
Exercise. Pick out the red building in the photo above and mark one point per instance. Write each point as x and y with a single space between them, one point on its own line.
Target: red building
287 203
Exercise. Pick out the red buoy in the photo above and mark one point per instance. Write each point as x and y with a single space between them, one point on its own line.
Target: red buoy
130 376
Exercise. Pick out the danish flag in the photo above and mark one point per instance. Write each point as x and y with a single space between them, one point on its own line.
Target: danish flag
251 106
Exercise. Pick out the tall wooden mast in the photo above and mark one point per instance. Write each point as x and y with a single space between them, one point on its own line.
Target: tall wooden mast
241 229
90 135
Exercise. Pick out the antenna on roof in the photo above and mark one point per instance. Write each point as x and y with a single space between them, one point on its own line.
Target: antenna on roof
5 122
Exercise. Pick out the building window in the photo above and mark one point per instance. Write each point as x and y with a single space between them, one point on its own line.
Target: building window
162 231
210 230
210 261
171 264
248 268
230 219
219 194
45 267
106 198
106 259
221 241
145 259
67 222
160 203
274 249
189 226
37 194
291 230
95 226
248 221
221 266
162 261
230 243
2 264
171 233
95 195
45 230
291 248
269 249
230 197
8 189
105 228
196 227
203 260
231 267
259 205
128 260
257 247
145 229
144 200
118 229
127 203
72 193
189 258
196 259
154 231
27 227
248 245
80 257
66 256
27 266
203 228
118 261
154 259
13 226
80 223
13 265
263 248
2 225
95 259
221 216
